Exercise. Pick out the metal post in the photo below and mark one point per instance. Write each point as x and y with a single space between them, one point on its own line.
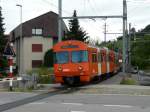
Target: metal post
60 21
127 48
0 5
124 35
134 36
10 74
11 84
21 41
124 17
105 32
129 45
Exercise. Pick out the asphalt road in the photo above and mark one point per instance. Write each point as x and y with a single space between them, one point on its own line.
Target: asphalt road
87 103
7 97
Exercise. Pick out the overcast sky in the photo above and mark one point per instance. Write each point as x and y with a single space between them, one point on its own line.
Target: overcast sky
138 13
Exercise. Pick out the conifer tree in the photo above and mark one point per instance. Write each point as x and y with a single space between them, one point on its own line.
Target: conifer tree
75 31
2 37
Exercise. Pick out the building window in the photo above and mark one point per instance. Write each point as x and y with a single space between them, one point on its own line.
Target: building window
37 47
37 31
36 63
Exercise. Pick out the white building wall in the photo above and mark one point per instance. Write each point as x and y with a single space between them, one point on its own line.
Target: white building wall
28 55
17 51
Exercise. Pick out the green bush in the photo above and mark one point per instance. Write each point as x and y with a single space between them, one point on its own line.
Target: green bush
140 55
43 71
128 81
44 75
34 71
45 79
4 74
48 58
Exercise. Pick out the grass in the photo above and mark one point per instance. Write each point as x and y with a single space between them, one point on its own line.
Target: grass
147 70
128 81
22 89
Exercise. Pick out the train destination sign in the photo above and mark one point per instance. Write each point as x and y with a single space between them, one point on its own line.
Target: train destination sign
69 46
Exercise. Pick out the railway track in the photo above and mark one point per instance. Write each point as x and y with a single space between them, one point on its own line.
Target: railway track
18 103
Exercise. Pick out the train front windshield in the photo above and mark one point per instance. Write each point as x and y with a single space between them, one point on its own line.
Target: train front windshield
79 56
61 57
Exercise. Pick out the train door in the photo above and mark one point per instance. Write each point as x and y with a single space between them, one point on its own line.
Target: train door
103 62
112 61
94 64
108 62
99 64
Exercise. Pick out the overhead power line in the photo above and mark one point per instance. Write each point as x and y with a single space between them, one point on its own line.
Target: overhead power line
55 6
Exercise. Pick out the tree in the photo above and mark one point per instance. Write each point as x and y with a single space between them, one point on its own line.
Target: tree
146 29
75 31
48 58
2 37
140 52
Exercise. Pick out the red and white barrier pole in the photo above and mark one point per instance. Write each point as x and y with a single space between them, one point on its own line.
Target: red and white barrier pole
10 61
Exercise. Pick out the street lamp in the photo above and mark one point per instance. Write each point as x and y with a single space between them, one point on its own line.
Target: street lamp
21 42
20 19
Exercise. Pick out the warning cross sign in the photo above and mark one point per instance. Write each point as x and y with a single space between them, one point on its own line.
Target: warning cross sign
9 51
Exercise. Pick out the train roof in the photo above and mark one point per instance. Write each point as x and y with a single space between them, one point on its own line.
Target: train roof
75 44
70 44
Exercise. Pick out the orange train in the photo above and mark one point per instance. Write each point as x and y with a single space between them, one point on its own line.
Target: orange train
76 62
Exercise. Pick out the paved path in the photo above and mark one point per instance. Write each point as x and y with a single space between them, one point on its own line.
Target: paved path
88 103
116 79
103 96
7 97
113 80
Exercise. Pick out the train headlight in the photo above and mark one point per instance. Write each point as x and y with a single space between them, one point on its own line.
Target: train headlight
59 68
80 68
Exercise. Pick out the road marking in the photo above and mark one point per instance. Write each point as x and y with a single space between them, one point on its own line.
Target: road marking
77 111
37 103
112 94
121 106
73 104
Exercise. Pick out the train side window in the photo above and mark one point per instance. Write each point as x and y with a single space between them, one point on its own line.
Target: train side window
111 58
107 58
116 58
102 58
99 57
94 57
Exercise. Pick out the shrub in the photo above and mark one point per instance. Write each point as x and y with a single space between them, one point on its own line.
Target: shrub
45 79
128 81
44 75
48 58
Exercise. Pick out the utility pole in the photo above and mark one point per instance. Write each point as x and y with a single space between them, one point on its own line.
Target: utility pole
124 17
21 43
129 45
134 33
60 21
105 30
124 34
